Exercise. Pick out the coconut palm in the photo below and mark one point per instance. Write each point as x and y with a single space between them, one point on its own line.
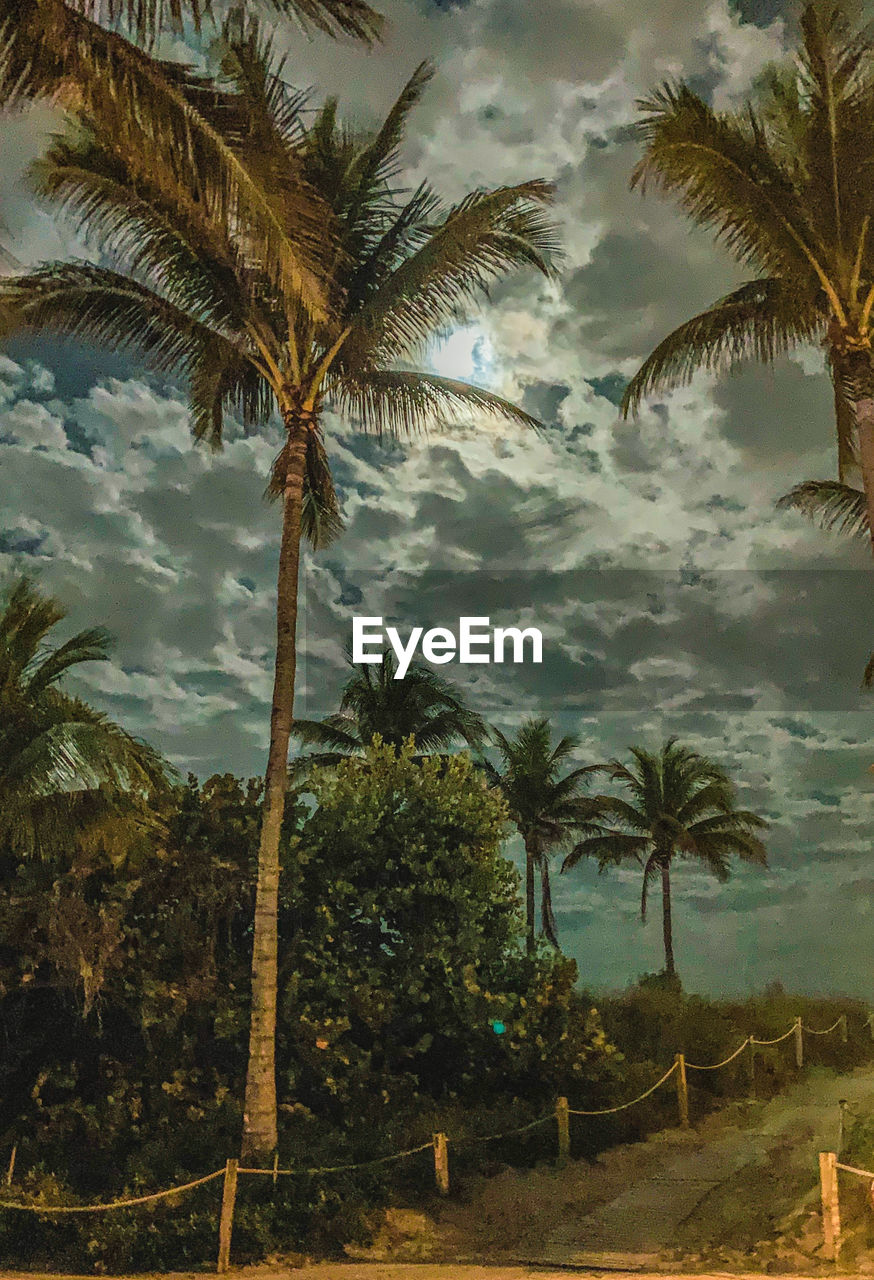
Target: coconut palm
61 762
423 706
546 804
785 184
680 804
191 294
73 53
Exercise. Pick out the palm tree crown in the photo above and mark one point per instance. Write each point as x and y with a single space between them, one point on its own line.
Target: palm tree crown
216 289
545 802
60 759
680 803
785 183
423 706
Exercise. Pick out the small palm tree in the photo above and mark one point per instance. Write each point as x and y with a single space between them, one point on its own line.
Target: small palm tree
680 804
423 706
60 760
194 295
785 183
546 804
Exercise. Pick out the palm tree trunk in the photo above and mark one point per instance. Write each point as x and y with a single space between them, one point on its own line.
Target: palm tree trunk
547 915
667 926
260 1111
856 370
530 855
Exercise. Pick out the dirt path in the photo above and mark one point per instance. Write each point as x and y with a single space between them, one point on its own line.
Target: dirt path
716 1195
419 1271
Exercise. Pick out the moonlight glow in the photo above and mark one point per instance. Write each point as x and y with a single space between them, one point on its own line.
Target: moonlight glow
467 354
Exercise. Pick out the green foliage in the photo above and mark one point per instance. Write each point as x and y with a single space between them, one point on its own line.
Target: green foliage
545 802
423 705
400 944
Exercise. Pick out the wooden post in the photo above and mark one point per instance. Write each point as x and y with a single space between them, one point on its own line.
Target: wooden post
831 1215
844 1028
799 1044
871 1024
563 1121
752 1067
11 1169
226 1222
275 1166
682 1090
441 1163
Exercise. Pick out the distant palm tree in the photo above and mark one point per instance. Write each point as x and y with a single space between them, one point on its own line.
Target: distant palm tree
786 184
60 760
423 705
680 804
193 296
546 804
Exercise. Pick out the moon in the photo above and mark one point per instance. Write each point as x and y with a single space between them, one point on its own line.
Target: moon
466 354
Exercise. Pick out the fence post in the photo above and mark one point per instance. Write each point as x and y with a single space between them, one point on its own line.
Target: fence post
831 1214
441 1163
752 1067
11 1169
799 1044
682 1090
562 1120
226 1222
844 1028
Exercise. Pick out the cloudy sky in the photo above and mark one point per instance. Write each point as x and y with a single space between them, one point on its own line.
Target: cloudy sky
672 596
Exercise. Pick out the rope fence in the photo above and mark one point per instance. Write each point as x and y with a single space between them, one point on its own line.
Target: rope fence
439 1143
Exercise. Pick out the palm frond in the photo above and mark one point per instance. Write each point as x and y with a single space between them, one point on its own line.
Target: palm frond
177 130
86 646
830 504
725 175
399 402
609 848
106 308
479 240
761 319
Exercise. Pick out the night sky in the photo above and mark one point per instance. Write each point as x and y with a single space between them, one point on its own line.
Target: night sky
673 597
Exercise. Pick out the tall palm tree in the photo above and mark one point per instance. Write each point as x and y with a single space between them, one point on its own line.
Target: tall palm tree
423 705
61 762
680 804
546 804
192 295
786 185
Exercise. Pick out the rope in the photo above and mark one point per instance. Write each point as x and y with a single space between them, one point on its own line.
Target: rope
849 1168
112 1204
810 1031
492 1137
714 1066
341 1168
790 1032
609 1111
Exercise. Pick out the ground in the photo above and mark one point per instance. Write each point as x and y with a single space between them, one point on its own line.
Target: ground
736 1194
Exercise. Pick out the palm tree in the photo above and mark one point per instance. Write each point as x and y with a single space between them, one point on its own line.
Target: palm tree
545 803
61 762
192 295
72 53
423 706
680 803
785 183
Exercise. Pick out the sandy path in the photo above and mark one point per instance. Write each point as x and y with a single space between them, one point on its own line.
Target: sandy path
645 1218
421 1271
